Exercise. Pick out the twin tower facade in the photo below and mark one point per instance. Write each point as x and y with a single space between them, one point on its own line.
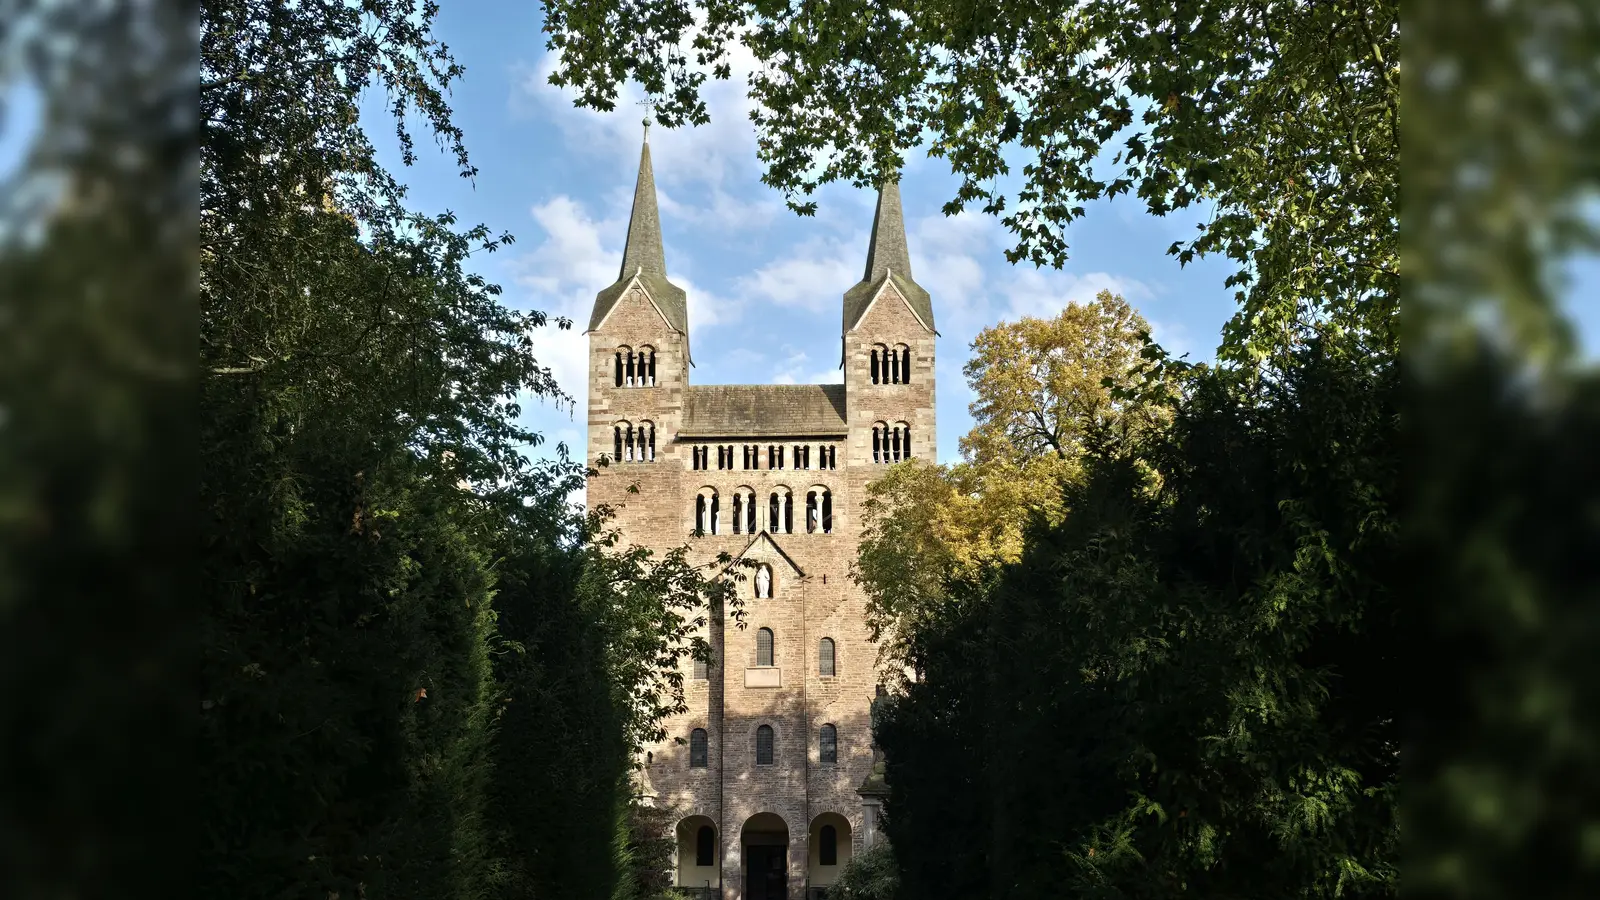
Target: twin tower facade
771 772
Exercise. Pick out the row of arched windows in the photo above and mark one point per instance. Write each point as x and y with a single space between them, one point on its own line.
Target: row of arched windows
780 511
775 456
634 443
827 656
891 365
705 846
636 368
827 747
891 443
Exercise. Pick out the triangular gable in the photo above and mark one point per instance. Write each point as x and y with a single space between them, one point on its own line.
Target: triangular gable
888 281
764 542
634 282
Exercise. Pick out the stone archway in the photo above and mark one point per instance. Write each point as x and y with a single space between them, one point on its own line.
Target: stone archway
831 846
764 857
698 863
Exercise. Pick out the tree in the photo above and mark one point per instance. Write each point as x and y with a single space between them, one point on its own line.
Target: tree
1281 117
360 459
1186 684
868 876
1045 390
1042 384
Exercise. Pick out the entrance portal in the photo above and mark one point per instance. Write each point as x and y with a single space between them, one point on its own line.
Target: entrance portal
765 846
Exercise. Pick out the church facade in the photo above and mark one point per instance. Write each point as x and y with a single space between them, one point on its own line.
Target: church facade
771 771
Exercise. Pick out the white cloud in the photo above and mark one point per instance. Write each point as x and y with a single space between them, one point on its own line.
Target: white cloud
813 279
1043 294
578 256
706 308
717 158
795 362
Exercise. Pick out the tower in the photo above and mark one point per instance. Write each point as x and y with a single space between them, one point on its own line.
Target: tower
770 770
638 368
888 338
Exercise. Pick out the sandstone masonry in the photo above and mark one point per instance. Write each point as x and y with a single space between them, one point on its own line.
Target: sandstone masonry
749 759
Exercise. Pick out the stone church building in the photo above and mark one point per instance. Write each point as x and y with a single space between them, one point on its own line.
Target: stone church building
772 769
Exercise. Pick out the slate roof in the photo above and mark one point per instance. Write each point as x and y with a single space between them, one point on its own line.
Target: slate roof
643 256
887 257
766 410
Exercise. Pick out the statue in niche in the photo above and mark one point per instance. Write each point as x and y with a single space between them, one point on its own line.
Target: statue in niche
763 583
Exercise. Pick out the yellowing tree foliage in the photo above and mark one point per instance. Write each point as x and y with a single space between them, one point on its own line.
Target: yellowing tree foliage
1046 389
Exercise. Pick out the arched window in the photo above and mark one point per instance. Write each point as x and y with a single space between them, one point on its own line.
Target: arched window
705 846
647 442
647 367
764 647
880 442
624 363
616 443
697 748
880 364
707 511
764 745
744 511
902 441
829 851
819 511
780 512
825 661
903 354
830 744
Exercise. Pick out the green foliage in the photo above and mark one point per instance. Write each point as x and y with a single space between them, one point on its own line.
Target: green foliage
96 446
1502 419
1041 387
872 875
1187 689
423 675
599 635
1282 118
648 848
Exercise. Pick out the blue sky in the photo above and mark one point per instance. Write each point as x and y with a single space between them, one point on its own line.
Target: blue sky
764 285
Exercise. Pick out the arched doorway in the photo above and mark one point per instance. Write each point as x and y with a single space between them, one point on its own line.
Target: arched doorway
699 857
831 848
764 845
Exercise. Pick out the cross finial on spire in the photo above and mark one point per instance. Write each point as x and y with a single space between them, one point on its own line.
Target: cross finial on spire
650 106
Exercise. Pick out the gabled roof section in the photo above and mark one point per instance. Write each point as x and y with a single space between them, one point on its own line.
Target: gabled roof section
888 258
644 258
764 540
763 410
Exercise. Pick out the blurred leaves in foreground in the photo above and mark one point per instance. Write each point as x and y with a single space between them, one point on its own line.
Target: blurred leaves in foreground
1500 173
97 290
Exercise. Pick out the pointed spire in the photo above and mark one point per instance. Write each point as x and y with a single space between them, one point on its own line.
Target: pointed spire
888 258
887 251
643 251
643 258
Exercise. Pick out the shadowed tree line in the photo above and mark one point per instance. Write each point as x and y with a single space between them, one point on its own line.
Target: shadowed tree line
424 674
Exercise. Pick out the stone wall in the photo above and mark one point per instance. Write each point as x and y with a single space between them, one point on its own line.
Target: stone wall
813 596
